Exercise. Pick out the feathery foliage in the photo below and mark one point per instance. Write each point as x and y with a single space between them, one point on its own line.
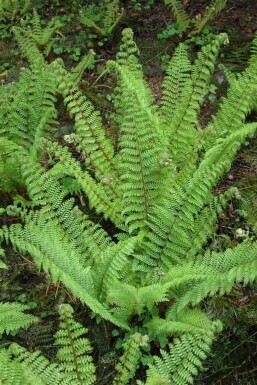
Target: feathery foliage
128 362
111 17
183 20
132 241
179 13
12 317
215 7
75 364
9 8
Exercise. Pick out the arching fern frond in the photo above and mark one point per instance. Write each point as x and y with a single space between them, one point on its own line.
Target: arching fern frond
111 263
183 361
10 372
178 323
101 194
231 114
12 317
128 362
94 143
211 11
42 36
198 193
72 365
177 75
184 136
31 113
35 368
215 272
75 364
45 241
130 300
28 46
179 13
140 146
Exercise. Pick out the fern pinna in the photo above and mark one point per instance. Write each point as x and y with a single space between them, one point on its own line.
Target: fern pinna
155 188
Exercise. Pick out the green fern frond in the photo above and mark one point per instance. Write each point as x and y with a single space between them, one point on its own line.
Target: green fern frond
190 234
11 372
77 72
112 15
213 273
101 195
35 368
44 189
47 191
75 364
217 161
204 66
10 8
252 60
179 13
45 241
42 36
210 13
232 115
248 201
127 57
12 317
205 221
177 74
184 125
30 39
111 263
177 323
32 114
44 231
183 361
128 52
129 361
27 46
10 165
130 300
140 150
97 149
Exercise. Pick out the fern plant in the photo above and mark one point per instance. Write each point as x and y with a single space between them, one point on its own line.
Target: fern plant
10 8
12 13
197 24
133 241
105 21
73 364
42 36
